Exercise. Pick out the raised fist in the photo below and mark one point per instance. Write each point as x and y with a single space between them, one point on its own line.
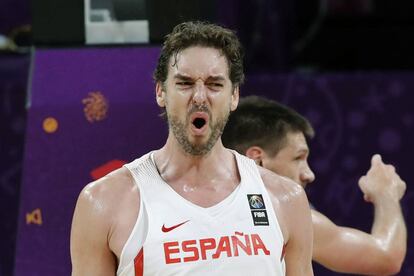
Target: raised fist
381 182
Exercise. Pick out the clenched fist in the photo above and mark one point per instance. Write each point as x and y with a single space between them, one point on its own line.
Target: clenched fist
381 182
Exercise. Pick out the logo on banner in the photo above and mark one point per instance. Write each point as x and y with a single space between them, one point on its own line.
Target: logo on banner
34 217
50 125
95 107
258 209
106 168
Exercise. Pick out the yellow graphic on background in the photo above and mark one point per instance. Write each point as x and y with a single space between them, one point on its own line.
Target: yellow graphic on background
95 107
35 217
50 125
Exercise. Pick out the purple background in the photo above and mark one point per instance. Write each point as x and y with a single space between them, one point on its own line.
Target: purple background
13 79
58 165
355 115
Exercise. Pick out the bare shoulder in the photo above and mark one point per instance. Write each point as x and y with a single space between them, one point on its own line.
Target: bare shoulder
111 204
281 188
288 198
292 210
109 188
113 184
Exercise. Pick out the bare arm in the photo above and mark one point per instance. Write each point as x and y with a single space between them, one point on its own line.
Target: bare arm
293 212
383 250
90 252
299 246
91 231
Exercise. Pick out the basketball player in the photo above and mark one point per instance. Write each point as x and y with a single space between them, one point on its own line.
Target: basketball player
275 137
193 207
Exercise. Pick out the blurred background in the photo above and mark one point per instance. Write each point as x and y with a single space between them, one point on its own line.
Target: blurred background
77 101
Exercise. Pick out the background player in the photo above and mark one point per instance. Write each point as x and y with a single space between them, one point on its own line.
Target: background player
275 137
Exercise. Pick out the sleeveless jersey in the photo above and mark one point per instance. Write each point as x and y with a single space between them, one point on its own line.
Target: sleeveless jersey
172 236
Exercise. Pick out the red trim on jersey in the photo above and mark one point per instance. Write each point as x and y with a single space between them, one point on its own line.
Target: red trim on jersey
139 263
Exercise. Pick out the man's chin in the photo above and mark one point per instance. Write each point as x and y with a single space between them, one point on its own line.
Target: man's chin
197 151
198 147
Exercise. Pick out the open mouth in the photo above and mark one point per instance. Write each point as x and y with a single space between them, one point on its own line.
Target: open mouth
199 122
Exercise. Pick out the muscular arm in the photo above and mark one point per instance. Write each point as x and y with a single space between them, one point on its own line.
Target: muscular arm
89 248
293 212
380 252
102 222
299 246
390 231
349 250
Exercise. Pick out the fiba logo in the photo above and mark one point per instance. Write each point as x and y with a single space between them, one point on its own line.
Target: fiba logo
258 210
256 201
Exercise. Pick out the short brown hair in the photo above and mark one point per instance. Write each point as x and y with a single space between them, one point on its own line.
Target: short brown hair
258 121
198 33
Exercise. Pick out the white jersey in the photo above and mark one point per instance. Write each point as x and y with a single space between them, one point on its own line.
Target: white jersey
172 236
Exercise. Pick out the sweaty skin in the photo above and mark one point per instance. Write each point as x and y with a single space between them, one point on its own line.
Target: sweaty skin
340 248
107 209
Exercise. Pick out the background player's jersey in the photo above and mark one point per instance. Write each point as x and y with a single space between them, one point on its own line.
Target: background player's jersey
172 236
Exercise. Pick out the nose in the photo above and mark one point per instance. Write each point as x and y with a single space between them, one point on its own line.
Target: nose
307 176
200 93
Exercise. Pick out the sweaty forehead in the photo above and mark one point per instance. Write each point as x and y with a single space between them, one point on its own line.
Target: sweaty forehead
199 63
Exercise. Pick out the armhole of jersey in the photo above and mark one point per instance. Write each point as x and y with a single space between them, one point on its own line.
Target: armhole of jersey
138 233
277 224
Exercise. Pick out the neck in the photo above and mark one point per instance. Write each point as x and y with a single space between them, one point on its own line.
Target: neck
172 161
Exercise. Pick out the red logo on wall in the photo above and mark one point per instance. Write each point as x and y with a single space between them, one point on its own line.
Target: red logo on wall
106 168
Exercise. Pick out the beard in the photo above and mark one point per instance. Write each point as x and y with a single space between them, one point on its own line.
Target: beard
179 130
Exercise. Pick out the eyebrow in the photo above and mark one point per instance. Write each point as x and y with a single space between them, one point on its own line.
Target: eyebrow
216 78
182 77
187 78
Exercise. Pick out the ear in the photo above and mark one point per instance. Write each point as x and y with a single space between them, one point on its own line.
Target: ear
235 98
160 94
256 153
